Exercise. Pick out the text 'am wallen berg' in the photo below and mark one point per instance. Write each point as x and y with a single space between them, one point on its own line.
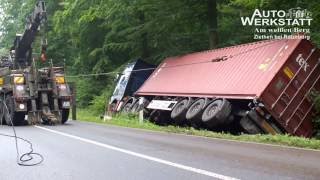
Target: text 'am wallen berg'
278 18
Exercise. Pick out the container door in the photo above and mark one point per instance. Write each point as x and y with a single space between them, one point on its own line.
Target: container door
289 97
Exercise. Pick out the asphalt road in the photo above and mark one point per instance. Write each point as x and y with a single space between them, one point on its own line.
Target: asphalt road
84 151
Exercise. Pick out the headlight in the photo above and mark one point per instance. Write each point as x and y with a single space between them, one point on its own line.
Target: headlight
1 81
18 79
20 87
63 87
60 79
21 106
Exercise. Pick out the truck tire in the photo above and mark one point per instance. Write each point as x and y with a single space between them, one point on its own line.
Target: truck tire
195 111
178 113
2 111
64 115
135 108
146 111
126 108
249 126
10 115
159 117
153 115
112 107
217 113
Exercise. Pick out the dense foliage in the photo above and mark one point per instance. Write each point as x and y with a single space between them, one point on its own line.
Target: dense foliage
94 36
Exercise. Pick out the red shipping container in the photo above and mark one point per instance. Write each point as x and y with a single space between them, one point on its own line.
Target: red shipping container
279 73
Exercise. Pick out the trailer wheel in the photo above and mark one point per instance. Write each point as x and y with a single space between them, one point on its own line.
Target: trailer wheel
249 126
217 113
195 111
12 117
179 111
64 115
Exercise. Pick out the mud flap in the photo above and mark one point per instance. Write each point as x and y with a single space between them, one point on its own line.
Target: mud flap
34 118
49 117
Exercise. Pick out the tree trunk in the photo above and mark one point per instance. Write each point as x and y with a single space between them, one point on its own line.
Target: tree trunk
144 38
213 23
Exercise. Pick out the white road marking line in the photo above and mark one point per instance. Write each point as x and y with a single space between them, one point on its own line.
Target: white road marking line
169 163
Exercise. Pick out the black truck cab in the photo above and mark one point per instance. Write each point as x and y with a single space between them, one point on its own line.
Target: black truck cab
128 82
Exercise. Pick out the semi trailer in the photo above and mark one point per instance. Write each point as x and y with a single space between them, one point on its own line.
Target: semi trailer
263 87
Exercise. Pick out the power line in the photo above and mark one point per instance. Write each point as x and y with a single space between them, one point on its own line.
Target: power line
108 73
179 65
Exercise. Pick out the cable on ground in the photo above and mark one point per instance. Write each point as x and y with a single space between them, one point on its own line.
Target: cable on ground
24 159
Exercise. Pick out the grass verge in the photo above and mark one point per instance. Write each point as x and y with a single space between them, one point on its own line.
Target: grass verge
133 122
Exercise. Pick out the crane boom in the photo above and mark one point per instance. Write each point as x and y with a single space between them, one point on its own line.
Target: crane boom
22 50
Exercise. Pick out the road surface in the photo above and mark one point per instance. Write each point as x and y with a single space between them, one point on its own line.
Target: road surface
83 151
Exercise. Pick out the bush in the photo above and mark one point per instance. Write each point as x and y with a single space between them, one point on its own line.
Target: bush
98 103
89 89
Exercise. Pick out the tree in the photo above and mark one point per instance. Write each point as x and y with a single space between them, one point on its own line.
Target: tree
213 23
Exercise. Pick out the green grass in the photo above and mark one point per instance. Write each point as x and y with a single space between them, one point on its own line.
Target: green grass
133 122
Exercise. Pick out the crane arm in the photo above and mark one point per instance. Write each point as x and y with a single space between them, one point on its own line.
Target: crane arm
22 44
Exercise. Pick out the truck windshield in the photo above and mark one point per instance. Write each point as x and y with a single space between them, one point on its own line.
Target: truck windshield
123 81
